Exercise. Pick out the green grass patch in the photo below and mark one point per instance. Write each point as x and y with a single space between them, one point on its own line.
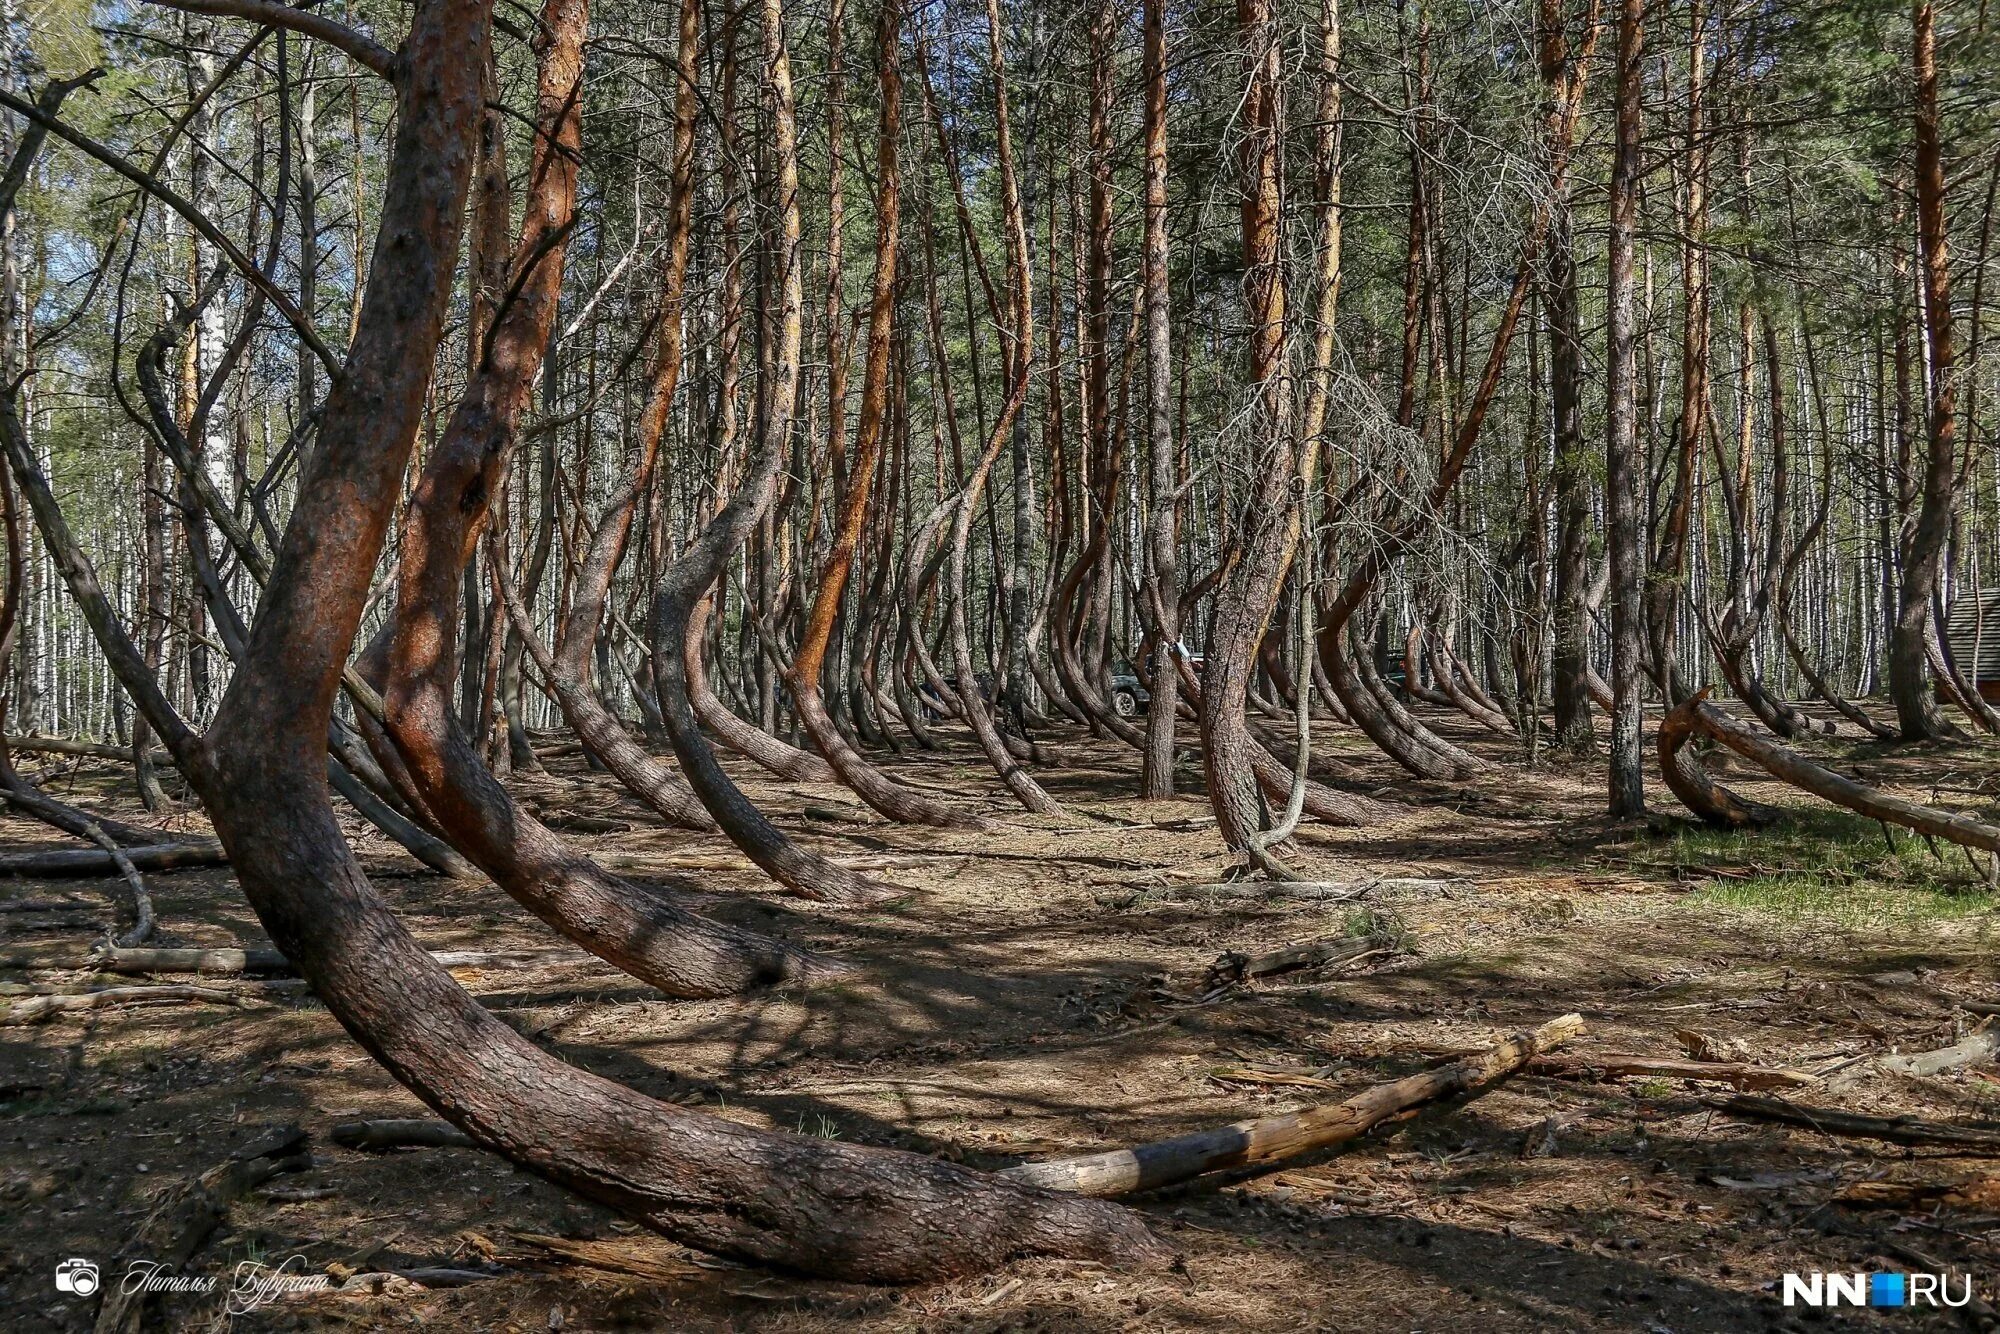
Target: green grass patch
1833 865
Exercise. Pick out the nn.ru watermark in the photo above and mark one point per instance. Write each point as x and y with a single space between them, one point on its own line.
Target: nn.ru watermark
1881 1290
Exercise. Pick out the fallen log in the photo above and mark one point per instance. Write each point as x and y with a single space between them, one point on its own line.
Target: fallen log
1970 1140
375 1136
1976 1049
31 800
1691 783
1972 1193
1231 968
141 961
1741 1074
653 1258
34 1009
142 902
1786 764
575 823
96 861
270 961
100 750
1315 891
1290 1134
185 1216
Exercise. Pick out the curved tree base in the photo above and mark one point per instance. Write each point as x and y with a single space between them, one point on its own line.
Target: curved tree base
800 870
1689 781
1838 702
811 1205
1416 748
881 792
1274 776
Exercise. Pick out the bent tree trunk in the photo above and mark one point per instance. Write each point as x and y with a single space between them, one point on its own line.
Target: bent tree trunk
641 932
869 783
1156 778
1276 779
1698 715
810 1205
1244 600
1691 782
1916 711
686 583
568 669
745 738
1019 361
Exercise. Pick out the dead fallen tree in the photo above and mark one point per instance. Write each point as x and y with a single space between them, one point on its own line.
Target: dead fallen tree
1977 1048
1313 891
1786 764
34 1009
376 1136
141 961
1690 782
97 750
1741 1074
96 861
1968 1140
1973 1193
1288 1135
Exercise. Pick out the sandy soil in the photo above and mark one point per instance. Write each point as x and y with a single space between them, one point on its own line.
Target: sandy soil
1038 993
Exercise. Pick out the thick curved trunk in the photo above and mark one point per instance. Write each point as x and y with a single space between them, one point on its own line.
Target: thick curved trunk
1019 782
807 1204
643 933
799 869
1916 710
1463 691
1413 669
1787 765
1689 781
1275 778
568 668
1400 735
741 736
681 603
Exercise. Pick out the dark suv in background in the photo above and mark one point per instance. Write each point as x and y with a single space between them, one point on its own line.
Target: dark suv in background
1128 698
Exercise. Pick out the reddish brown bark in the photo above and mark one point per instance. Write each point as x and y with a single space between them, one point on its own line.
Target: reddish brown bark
871 784
1156 779
684 585
644 933
1245 598
568 668
1916 710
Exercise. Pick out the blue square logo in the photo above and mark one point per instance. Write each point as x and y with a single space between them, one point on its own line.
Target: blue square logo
1887 1290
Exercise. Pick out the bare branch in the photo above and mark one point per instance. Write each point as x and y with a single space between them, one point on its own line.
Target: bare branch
363 48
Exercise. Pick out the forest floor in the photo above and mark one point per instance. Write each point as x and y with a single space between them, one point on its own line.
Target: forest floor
1038 993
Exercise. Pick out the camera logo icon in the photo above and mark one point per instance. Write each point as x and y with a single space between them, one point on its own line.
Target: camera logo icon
77 1276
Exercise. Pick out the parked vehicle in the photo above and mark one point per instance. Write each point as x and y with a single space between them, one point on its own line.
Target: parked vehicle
1129 699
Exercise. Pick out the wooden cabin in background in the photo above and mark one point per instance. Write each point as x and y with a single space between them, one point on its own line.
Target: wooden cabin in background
1973 632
